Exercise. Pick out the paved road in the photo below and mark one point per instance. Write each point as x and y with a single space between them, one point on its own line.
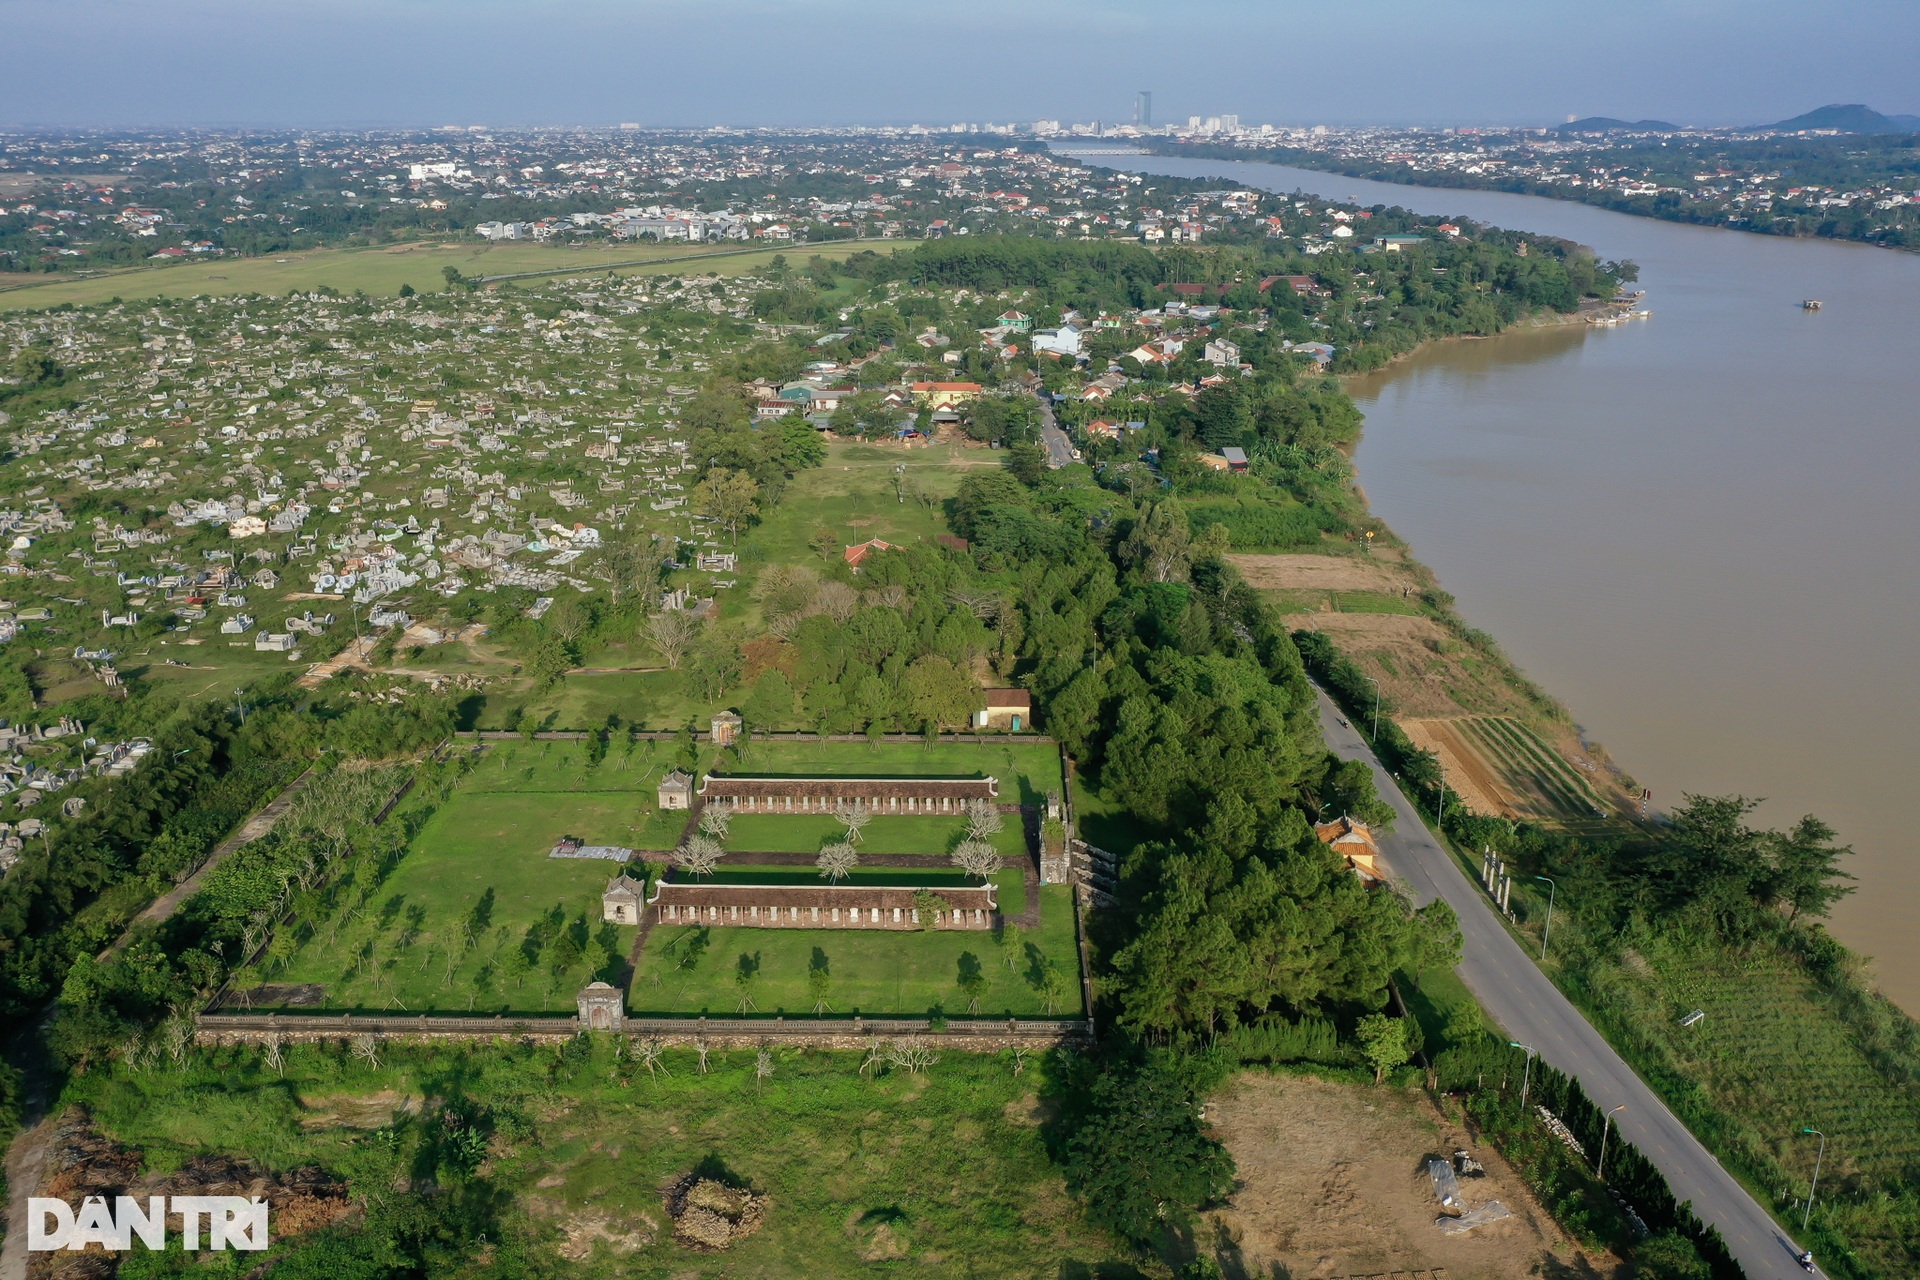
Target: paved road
1059 448
1521 998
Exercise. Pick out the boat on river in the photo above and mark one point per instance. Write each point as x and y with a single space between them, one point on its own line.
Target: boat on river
1811 304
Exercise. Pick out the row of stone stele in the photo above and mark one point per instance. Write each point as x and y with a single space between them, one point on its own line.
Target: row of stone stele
810 906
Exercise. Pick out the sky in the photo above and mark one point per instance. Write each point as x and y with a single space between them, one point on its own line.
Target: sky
838 62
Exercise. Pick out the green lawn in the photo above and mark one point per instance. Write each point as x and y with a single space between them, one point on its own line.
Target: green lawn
933 873
1027 770
411 944
690 970
807 832
395 953
854 495
1104 823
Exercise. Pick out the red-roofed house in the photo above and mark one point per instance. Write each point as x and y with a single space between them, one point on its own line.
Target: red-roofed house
1352 841
855 555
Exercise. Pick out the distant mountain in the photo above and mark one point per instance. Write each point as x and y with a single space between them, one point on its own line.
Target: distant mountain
1607 124
1852 117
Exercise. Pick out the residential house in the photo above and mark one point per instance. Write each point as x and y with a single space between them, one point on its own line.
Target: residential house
1010 709
854 555
946 395
1352 841
1064 341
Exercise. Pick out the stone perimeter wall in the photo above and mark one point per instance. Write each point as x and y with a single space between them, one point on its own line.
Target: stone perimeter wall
974 1036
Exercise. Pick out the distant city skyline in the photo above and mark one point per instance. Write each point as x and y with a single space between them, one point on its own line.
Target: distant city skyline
358 63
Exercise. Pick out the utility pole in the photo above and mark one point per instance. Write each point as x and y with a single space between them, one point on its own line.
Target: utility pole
1807 1216
1527 1077
1552 889
1600 1171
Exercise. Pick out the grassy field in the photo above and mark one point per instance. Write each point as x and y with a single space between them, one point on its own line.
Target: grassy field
806 833
1307 600
699 970
1027 770
854 495
943 1172
452 930
477 917
382 271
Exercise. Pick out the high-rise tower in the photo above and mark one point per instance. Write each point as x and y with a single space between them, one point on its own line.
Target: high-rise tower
1143 109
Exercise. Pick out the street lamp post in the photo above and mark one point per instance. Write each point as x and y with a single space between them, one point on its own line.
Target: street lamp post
1600 1170
1552 890
1807 1216
1526 1077
1376 704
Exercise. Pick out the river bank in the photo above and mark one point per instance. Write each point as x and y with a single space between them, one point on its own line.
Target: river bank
1692 527
1610 200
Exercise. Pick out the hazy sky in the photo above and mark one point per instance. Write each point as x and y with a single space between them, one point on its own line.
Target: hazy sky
698 62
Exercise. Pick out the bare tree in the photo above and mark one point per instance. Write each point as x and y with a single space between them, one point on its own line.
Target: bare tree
276 1054
714 819
984 605
366 1047
912 1055
672 632
836 861
891 596
976 858
838 601
876 1056
176 1035
648 1051
1020 1053
700 855
762 1067
983 819
701 1047
786 593
853 816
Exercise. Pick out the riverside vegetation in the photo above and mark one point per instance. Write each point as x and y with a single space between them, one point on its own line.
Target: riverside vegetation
1710 913
1176 689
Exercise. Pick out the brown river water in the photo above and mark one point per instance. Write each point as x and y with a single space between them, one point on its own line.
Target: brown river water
1699 530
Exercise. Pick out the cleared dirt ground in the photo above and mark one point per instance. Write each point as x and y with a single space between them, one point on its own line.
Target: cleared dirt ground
1423 672
1333 1184
1319 573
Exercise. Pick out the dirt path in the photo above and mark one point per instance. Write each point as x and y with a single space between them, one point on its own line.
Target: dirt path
354 655
252 829
27 1155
